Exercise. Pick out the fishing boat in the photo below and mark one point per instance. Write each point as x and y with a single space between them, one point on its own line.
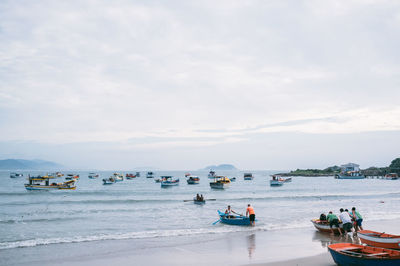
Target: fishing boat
43 183
391 176
220 182
167 181
93 176
199 201
150 175
248 176
193 180
109 181
350 171
59 174
15 175
378 239
137 174
211 174
353 254
71 177
323 226
233 219
276 181
118 177
130 176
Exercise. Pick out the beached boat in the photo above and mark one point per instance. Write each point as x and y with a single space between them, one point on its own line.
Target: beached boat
378 239
233 219
391 176
43 183
323 226
248 176
150 175
220 182
108 181
167 181
276 181
15 175
130 176
93 176
211 174
353 254
193 180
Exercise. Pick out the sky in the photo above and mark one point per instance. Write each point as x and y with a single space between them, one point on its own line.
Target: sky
186 84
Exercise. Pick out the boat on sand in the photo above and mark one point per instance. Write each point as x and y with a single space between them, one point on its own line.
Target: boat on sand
378 239
323 226
353 254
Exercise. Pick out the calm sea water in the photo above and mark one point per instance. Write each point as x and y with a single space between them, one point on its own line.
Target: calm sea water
140 208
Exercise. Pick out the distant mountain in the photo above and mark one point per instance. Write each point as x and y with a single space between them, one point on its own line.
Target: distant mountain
20 164
221 167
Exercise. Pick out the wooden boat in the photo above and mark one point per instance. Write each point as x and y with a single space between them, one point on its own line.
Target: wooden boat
211 174
353 254
93 176
199 202
378 239
109 181
130 176
248 176
118 177
276 181
167 181
71 177
193 180
150 175
15 175
43 183
233 219
323 226
391 176
220 182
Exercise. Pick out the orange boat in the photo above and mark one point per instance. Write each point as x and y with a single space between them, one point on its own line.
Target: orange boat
353 254
378 239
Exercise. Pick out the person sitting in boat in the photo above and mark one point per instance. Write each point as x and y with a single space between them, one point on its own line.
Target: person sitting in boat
201 197
198 197
252 215
346 220
229 211
322 218
333 221
357 218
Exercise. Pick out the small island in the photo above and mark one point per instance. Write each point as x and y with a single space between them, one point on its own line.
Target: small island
221 167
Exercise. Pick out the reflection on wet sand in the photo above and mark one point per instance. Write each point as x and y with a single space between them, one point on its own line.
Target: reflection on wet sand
326 239
251 244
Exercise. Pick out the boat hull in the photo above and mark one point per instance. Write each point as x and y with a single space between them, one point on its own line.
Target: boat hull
198 202
349 177
165 184
219 185
275 183
193 182
378 239
234 220
324 227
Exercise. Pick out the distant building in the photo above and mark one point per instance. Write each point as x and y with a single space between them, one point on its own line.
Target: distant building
350 167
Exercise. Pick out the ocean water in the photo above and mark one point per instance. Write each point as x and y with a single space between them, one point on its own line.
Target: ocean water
140 208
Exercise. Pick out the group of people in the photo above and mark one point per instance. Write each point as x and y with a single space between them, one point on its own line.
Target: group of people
199 197
351 221
249 212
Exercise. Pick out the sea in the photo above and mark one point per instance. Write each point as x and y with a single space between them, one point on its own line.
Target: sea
141 209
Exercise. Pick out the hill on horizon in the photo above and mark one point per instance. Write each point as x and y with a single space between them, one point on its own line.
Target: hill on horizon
21 164
220 167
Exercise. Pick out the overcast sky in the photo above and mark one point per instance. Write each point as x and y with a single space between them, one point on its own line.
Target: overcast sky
184 84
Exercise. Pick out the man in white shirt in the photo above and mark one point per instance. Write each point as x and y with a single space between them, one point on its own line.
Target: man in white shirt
346 220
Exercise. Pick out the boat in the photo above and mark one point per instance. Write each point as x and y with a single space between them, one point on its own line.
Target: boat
137 174
391 176
323 226
353 254
93 176
276 181
248 176
59 174
233 219
349 171
378 239
15 175
130 176
199 202
220 182
109 181
187 174
233 179
193 180
71 177
118 177
167 181
150 175
211 174
43 183
350 175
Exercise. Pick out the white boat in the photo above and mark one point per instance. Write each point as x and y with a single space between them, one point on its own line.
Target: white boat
350 171
276 181
220 182
118 177
43 183
15 175
248 176
150 175
391 176
93 176
350 175
109 181
167 181
211 174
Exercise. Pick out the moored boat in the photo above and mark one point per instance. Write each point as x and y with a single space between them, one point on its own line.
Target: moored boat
378 239
93 176
353 254
193 180
349 171
137 174
233 219
248 176
276 181
220 182
323 226
287 180
108 181
211 174
130 176
391 176
167 181
15 175
233 179
150 175
118 177
72 177
43 183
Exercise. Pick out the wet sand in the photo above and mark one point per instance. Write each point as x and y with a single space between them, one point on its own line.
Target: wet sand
302 246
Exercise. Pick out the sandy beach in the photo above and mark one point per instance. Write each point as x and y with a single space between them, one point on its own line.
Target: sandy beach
302 246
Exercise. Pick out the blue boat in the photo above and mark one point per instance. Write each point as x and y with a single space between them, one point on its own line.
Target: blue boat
359 255
233 219
167 181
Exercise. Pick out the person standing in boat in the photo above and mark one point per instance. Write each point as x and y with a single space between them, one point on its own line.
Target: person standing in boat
252 215
357 218
333 221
